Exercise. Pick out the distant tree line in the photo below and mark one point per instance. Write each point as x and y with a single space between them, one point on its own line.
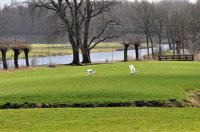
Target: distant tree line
176 23
85 23
19 22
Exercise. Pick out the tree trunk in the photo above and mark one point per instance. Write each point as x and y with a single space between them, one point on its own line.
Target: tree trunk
125 52
26 52
194 48
75 49
173 48
168 39
152 48
16 55
137 52
160 49
76 60
85 48
183 46
5 66
86 55
159 52
147 39
178 48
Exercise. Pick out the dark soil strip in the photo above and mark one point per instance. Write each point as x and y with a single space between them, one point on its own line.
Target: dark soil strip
167 104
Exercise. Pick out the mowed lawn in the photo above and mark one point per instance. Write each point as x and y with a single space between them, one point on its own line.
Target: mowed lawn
101 119
110 83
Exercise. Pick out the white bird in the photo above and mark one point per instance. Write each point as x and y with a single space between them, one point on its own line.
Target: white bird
132 68
90 72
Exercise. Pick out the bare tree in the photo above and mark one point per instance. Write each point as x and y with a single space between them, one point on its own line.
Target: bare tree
168 24
144 11
75 18
4 46
129 40
159 19
193 31
176 24
98 12
17 46
26 48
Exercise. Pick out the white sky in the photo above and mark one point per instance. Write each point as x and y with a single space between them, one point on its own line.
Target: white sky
3 2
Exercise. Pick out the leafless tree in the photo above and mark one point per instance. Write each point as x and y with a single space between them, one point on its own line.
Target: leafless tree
17 46
159 19
4 46
143 16
3 43
97 12
129 40
175 24
75 17
26 48
193 27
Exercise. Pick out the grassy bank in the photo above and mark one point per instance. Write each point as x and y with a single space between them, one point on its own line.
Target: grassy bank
111 83
101 119
41 50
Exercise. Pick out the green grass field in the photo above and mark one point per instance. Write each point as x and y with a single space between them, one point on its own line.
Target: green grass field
111 83
101 120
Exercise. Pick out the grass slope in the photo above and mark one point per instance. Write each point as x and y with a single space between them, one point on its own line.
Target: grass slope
111 83
100 119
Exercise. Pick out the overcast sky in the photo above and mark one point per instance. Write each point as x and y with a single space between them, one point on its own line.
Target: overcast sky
3 2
